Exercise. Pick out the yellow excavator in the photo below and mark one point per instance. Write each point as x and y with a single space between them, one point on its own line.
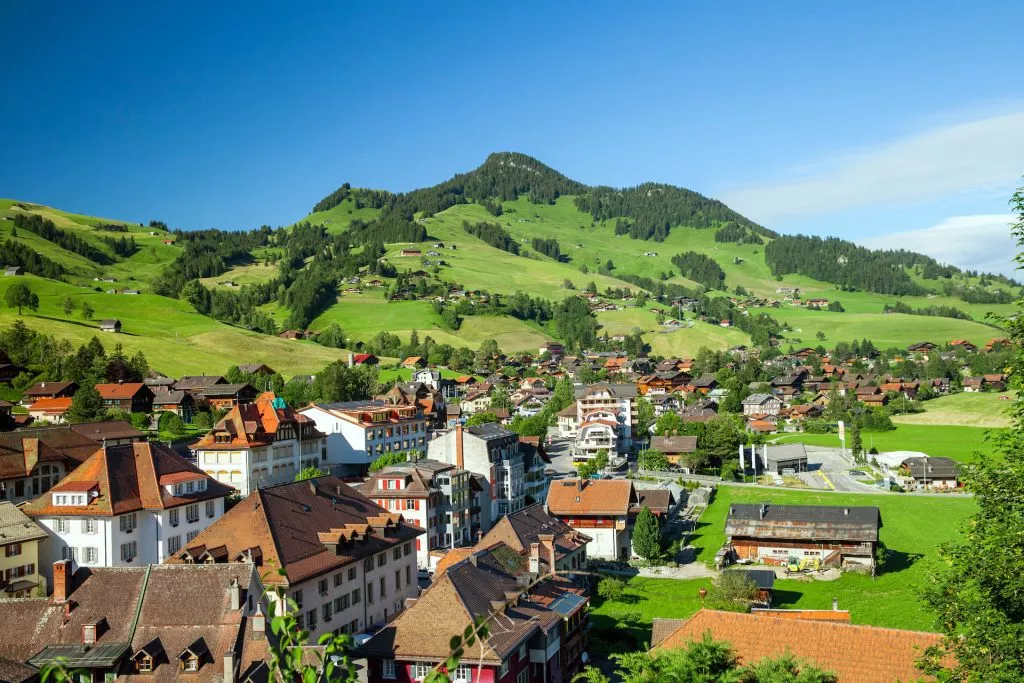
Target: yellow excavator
803 564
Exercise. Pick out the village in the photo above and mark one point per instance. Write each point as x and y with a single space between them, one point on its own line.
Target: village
518 494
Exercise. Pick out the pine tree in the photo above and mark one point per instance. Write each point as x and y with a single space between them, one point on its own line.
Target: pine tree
86 405
647 535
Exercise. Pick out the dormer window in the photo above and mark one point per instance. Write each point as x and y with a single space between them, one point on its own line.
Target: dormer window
89 634
144 664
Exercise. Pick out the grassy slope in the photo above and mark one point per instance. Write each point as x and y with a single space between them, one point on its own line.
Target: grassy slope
965 409
956 442
175 338
362 316
888 600
338 218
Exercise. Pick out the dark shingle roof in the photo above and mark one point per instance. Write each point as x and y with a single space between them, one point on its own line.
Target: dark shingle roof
805 522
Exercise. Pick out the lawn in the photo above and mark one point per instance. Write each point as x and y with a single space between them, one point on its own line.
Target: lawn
362 316
175 339
982 409
951 441
889 600
667 342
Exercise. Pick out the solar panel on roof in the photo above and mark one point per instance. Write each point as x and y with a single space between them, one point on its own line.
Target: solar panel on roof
566 603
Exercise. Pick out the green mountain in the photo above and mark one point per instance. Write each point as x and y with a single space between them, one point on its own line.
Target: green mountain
522 233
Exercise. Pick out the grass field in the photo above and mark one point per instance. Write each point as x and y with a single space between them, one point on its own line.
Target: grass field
951 441
175 339
984 409
912 528
362 316
251 273
338 218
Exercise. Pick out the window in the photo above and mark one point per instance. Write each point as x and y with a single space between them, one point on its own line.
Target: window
463 674
311 619
382 559
211 505
88 634
327 612
397 553
355 597
522 652
62 526
322 586
191 663
128 551
192 513
128 522
297 597
398 579
523 676
369 593
337 579
352 574
387 668
13 550
504 669
353 626
173 544
368 564
144 664
408 575
406 549
172 517
191 535
383 588
91 555
421 671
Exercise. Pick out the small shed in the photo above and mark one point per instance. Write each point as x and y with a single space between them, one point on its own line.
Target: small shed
112 325
13 270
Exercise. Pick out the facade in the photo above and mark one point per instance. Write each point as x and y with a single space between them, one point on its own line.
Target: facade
599 431
424 397
130 397
492 451
19 553
938 472
152 630
603 509
48 390
675 448
359 432
126 506
432 495
618 400
542 634
227 396
49 410
32 461
348 563
260 444
836 536
761 404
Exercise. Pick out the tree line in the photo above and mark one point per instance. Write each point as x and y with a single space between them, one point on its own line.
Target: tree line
549 247
64 239
739 234
700 268
493 234
937 311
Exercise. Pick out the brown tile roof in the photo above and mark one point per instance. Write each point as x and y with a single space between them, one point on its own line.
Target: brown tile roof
857 654
252 424
127 479
48 388
663 628
16 672
524 527
659 501
571 497
120 391
52 443
293 525
114 429
194 382
32 624
674 444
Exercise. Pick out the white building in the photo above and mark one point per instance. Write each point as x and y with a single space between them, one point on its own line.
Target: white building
348 563
126 506
603 509
359 432
616 402
492 451
260 444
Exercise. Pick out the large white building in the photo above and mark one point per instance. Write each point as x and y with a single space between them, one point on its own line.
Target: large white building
359 432
348 563
603 509
435 496
126 506
260 444
614 403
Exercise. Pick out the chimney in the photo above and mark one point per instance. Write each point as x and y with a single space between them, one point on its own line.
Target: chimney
579 484
63 572
235 594
351 360
460 461
835 604
535 558
762 510
259 621
229 666
549 541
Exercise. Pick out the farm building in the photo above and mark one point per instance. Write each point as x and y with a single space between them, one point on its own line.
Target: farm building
13 270
837 536
112 325
937 472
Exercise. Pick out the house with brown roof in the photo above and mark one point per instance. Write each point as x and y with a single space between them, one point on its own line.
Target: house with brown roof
259 444
855 653
675 448
130 397
193 384
343 562
257 369
48 390
126 506
538 626
227 396
535 526
603 509
214 631
29 466
414 362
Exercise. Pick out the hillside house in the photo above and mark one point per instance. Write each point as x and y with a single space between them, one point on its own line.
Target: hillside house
362 359
675 448
49 409
937 472
48 390
761 405
600 508
838 536
111 325
414 362
227 396
177 402
410 252
130 397
13 271
294 335
256 369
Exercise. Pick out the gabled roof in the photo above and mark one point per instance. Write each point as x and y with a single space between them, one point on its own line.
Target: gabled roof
520 529
127 478
937 467
804 522
571 497
855 653
52 406
194 382
121 391
294 525
674 444
48 388
17 527
18 449
252 424
758 399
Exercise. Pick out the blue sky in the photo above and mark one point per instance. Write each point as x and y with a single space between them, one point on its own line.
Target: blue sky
895 124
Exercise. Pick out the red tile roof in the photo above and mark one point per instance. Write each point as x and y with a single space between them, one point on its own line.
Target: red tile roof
52 406
571 497
855 653
119 391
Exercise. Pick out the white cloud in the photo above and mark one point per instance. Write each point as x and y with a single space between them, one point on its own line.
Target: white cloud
981 242
982 156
